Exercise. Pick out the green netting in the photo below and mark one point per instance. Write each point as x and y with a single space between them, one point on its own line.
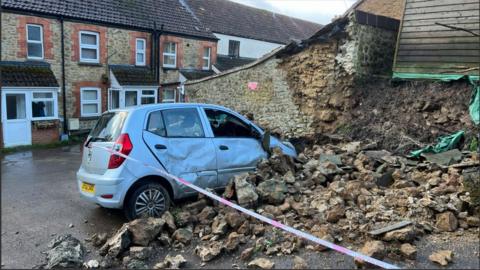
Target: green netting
444 144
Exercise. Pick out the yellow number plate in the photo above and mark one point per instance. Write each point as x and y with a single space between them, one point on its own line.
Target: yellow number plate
89 188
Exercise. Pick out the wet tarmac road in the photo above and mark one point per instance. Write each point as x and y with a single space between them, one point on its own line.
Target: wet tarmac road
40 200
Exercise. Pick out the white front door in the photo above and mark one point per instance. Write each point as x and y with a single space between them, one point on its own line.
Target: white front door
15 119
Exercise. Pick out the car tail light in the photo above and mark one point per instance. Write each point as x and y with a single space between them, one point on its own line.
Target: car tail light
122 145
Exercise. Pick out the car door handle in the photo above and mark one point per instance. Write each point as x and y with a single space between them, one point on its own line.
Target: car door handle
223 147
160 146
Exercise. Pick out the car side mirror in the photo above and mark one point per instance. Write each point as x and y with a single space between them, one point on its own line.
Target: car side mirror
266 141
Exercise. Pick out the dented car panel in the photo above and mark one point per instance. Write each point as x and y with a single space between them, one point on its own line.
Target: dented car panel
236 155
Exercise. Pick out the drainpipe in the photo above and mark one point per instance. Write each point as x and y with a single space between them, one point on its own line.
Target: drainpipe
64 91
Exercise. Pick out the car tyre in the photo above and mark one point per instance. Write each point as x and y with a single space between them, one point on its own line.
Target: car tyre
150 199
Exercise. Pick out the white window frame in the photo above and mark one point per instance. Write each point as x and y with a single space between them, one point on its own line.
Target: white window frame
140 51
35 41
170 54
54 102
206 59
84 102
169 100
88 46
141 95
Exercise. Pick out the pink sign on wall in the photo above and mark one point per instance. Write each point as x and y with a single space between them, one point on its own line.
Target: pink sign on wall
252 86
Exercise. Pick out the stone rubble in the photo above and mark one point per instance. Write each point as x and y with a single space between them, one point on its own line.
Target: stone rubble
336 192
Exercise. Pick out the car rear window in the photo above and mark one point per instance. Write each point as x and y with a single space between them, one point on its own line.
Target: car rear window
108 127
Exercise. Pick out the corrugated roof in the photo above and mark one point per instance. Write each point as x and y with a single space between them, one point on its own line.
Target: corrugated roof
27 74
226 17
175 17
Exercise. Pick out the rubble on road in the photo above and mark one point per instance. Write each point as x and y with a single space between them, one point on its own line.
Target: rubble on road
65 252
442 257
351 194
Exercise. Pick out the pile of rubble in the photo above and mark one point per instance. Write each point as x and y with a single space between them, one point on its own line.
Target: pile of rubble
346 194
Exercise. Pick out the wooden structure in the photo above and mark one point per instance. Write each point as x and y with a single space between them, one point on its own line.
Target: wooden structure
439 37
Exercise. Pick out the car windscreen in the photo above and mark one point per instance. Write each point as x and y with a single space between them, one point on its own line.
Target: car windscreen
108 127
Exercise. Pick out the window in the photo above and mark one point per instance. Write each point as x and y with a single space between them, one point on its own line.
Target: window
109 126
156 125
89 47
183 123
43 105
148 97
168 96
170 55
34 41
131 98
90 102
206 58
114 99
226 125
16 108
234 48
140 52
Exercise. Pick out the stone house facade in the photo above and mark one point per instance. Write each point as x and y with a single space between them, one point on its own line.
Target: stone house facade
80 53
304 88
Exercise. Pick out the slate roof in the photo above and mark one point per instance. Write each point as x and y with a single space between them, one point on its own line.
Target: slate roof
175 17
226 17
133 75
194 74
28 74
226 62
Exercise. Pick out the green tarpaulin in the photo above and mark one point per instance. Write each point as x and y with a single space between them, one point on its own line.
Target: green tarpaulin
474 107
444 144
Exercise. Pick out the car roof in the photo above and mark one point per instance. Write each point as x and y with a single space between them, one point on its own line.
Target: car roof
150 107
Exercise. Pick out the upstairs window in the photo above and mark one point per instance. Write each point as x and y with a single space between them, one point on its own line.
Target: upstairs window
34 41
89 47
206 58
234 48
170 55
140 52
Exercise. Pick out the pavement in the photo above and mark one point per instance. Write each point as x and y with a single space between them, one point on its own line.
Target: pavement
39 200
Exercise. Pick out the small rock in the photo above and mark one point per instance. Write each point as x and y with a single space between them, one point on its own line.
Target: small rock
442 257
208 252
171 262
140 253
183 236
258 229
446 222
70 225
92 264
299 263
219 225
169 221
406 234
183 218
272 191
233 241
289 177
234 219
99 239
165 239
206 215
473 221
65 251
117 243
246 195
336 213
375 249
261 263
246 254
408 250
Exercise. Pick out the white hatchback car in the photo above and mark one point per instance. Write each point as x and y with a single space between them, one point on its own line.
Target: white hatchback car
203 144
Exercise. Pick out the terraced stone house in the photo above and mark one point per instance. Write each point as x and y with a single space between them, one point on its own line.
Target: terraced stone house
64 62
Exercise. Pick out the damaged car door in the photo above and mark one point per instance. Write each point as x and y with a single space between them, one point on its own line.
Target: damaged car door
177 139
237 144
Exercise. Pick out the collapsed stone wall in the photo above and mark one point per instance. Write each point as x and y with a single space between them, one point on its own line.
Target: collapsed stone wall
271 102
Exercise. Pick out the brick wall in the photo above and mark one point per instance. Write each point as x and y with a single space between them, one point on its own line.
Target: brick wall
44 132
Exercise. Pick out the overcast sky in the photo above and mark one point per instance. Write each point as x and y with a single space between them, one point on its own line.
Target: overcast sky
319 11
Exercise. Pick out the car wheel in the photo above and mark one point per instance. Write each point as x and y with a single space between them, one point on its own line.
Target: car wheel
148 200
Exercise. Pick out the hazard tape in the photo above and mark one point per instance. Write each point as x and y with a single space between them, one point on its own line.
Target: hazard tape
272 222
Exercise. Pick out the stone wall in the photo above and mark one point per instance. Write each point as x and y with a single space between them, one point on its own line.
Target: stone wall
307 91
272 103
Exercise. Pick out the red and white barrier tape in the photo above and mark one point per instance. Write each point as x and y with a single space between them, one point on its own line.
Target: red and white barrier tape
272 222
